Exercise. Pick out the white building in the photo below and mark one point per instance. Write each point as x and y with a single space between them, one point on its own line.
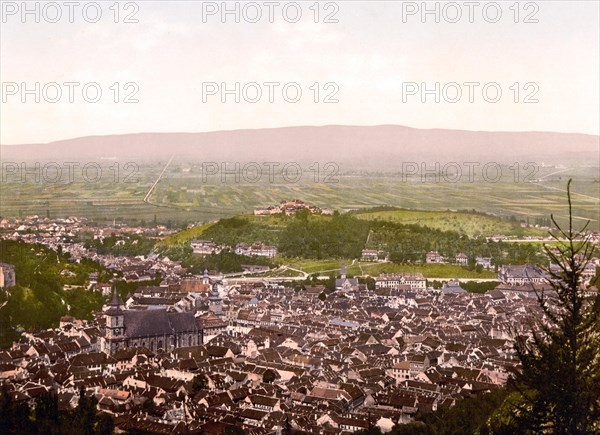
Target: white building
416 281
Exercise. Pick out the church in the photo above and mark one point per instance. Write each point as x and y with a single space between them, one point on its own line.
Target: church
152 329
345 284
159 329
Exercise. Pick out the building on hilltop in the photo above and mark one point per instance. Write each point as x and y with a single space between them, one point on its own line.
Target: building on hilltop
461 259
434 257
258 248
205 247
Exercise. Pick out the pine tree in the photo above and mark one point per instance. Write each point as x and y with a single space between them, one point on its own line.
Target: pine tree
559 383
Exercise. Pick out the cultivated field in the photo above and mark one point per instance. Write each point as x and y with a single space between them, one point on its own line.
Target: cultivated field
184 196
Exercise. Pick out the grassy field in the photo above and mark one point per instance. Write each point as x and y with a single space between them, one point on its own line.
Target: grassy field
428 270
280 273
333 267
465 223
185 236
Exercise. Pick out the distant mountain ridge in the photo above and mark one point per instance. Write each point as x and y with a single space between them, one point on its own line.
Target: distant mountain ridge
365 144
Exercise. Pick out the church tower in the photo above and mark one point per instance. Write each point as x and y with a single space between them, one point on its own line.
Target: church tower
205 279
114 331
215 303
343 272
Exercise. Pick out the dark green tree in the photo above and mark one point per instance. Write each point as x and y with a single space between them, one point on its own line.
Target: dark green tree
106 425
199 383
371 430
233 430
85 417
14 417
560 379
414 428
269 376
46 413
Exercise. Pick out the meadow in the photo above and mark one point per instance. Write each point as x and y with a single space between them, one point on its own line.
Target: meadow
355 268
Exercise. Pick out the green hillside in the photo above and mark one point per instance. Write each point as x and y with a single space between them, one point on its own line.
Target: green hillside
39 299
471 224
316 238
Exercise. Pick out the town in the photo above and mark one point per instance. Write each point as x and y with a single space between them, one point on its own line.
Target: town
203 352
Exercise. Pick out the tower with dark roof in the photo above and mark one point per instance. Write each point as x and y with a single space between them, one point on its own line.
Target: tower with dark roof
215 303
114 337
344 283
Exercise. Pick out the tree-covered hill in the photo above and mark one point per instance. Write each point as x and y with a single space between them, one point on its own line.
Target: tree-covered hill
345 235
39 299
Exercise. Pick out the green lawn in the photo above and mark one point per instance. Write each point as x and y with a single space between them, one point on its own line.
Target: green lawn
332 267
429 270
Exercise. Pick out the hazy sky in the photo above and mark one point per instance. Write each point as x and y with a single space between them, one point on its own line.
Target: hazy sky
371 55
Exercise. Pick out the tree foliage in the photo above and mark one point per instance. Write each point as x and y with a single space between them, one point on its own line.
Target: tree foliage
199 383
341 236
560 379
46 418
39 300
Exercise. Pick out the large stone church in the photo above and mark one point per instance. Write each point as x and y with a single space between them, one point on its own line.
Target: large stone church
152 329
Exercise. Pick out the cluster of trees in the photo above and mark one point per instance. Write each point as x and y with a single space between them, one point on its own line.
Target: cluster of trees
468 416
34 262
344 236
129 246
341 236
559 384
226 261
38 301
46 418
230 232
410 243
471 286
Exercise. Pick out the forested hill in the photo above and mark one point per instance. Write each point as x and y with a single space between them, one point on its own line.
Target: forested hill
344 236
39 299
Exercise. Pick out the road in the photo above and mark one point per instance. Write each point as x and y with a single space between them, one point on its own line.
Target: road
147 197
299 278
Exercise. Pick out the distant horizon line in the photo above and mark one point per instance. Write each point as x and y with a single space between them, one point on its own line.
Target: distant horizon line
297 126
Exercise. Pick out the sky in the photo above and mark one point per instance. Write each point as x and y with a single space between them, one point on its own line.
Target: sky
361 63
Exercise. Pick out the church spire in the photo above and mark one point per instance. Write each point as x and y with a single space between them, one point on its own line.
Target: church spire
116 300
